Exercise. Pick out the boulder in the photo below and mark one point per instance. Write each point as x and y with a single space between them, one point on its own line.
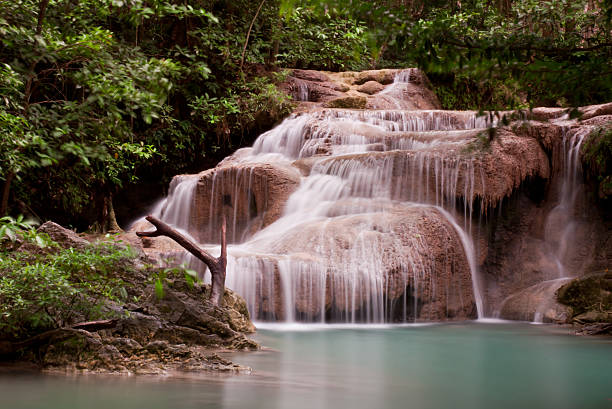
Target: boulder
310 75
64 237
536 303
370 87
381 76
592 111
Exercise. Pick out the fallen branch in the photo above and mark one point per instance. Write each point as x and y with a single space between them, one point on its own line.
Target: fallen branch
9 348
216 265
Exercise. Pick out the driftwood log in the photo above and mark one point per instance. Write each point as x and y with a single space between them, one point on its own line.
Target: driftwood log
216 265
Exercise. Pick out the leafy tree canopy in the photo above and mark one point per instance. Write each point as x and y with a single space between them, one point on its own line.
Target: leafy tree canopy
98 94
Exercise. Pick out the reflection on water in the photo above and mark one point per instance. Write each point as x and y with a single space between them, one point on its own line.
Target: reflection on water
437 366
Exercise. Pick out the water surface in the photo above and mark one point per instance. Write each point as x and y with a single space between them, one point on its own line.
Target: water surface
470 365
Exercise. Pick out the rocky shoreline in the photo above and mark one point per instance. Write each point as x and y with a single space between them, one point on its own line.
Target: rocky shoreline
180 331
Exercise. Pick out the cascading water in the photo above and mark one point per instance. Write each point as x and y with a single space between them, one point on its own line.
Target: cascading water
371 233
561 222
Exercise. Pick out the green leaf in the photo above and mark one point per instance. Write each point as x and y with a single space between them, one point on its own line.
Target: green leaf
159 289
40 242
10 234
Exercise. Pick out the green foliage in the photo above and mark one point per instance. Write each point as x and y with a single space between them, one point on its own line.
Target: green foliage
11 228
166 276
325 42
463 92
597 154
17 230
44 291
106 93
556 52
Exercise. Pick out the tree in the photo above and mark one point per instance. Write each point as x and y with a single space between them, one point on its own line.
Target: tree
216 265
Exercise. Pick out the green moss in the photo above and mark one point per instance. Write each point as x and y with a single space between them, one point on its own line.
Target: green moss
348 103
597 155
588 295
481 142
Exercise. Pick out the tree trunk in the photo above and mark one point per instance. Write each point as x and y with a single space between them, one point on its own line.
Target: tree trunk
42 9
5 193
109 218
216 265
246 41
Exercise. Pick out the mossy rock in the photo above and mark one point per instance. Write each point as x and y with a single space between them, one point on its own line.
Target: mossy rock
348 103
590 298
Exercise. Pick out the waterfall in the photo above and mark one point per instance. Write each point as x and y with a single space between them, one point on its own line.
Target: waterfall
560 222
371 233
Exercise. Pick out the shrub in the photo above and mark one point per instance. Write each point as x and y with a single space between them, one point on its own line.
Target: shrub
39 292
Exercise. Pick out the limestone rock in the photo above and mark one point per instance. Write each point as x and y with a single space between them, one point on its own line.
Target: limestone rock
370 87
304 90
348 89
546 113
349 102
536 303
64 237
250 196
417 250
310 75
381 76
592 111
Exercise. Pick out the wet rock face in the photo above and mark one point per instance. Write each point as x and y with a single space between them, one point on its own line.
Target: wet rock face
376 89
536 303
250 196
337 267
549 228
371 87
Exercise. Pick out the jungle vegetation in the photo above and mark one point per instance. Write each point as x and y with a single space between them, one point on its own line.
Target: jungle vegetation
100 96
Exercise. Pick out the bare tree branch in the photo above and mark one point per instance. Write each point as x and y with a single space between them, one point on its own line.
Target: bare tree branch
216 265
